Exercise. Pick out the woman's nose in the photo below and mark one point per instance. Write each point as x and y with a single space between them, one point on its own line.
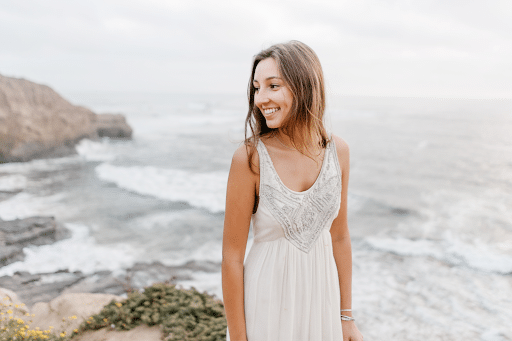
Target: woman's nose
260 97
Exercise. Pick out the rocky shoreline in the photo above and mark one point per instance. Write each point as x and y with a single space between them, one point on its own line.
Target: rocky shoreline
44 287
36 122
65 299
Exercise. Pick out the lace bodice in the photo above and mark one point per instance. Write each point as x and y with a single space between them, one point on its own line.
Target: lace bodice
301 215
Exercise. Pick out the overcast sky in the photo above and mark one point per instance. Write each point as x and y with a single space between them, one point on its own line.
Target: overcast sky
442 48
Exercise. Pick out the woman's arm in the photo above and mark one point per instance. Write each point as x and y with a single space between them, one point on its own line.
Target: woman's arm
239 205
341 245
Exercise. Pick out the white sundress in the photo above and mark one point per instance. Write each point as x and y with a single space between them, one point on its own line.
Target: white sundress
291 283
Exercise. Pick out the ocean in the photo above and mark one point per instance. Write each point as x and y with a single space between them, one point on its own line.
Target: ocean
430 203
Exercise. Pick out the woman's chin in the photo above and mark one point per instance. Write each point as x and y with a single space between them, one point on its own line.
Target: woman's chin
272 124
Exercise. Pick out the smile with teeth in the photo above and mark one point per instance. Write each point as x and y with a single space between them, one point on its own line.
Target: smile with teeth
270 111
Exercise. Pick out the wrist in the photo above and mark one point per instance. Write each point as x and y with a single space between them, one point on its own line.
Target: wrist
346 315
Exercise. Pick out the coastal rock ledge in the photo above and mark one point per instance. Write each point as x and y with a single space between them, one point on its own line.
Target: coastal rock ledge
36 122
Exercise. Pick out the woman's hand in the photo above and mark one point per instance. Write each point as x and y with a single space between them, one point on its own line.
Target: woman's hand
350 331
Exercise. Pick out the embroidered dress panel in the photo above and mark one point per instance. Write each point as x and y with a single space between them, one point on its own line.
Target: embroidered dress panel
302 215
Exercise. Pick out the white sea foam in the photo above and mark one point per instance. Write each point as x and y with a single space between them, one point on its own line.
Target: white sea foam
420 298
451 250
205 190
78 253
94 150
37 165
14 182
494 335
24 205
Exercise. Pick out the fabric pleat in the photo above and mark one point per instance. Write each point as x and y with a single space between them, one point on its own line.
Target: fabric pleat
290 295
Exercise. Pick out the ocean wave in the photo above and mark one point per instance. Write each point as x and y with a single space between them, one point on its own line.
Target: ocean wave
12 183
204 190
94 150
42 165
78 253
478 256
24 205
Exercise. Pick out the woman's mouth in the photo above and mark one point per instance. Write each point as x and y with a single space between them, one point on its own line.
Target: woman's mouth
267 112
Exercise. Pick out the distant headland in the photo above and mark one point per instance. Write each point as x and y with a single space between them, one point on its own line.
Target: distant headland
36 122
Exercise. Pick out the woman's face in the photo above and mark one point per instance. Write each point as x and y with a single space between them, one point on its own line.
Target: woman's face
272 96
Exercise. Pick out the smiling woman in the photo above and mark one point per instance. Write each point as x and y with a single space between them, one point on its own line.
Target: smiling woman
272 96
290 178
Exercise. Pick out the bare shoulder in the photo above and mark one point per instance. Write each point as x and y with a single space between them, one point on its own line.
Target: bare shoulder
341 148
240 161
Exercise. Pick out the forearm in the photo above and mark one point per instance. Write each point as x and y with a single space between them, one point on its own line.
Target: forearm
342 250
233 293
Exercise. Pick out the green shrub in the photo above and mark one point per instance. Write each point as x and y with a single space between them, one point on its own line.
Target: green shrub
184 315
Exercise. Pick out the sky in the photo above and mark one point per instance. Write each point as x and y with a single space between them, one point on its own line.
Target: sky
411 48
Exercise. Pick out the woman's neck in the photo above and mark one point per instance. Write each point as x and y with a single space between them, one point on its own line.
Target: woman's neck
286 142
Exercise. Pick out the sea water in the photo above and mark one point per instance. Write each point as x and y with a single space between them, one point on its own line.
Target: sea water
430 203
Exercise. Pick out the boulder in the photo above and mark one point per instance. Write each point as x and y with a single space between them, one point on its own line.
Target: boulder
10 254
114 126
16 234
36 122
32 288
9 299
68 311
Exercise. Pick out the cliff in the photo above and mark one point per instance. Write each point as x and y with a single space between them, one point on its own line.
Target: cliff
36 122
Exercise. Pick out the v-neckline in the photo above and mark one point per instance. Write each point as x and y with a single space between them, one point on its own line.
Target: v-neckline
324 161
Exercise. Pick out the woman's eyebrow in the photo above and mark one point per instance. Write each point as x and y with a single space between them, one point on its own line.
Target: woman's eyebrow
271 77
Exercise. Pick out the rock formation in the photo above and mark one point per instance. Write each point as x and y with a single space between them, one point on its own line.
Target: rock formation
67 311
16 234
113 125
36 122
37 287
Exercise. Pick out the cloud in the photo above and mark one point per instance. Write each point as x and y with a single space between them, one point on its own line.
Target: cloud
368 47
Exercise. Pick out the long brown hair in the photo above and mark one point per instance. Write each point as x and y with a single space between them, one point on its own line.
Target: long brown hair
300 68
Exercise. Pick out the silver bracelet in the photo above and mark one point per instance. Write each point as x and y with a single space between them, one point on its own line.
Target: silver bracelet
347 318
345 309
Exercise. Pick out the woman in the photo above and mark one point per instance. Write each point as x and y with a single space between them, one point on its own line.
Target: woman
291 179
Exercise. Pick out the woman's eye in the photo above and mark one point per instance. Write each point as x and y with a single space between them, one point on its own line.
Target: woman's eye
256 89
274 86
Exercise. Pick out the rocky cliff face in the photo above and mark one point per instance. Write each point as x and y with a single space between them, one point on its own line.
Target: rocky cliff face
36 122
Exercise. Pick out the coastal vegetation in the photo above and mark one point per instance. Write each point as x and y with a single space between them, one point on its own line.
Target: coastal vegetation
182 314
